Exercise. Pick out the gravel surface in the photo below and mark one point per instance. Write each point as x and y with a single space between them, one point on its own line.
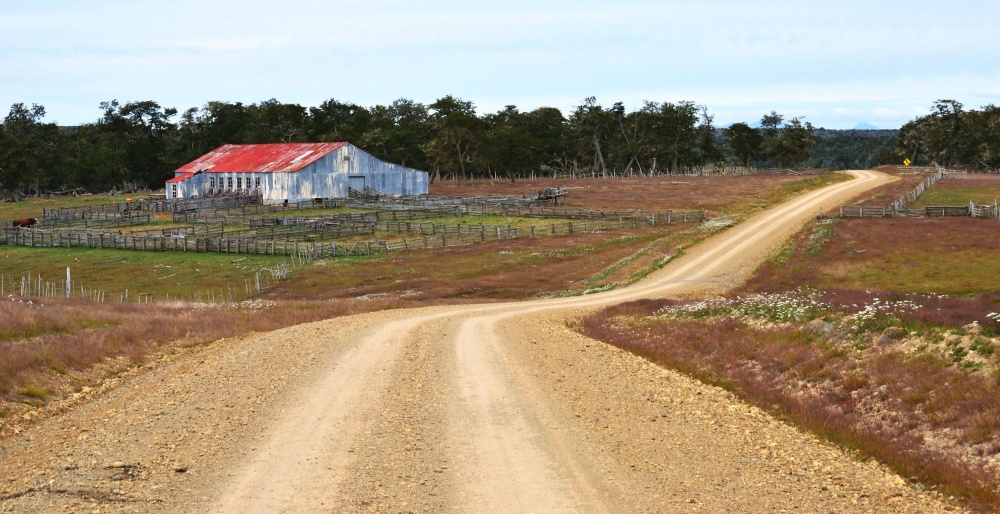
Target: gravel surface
468 409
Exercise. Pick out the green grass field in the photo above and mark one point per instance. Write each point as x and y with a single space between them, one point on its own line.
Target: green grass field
179 275
950 256
32 207
937 196
979 188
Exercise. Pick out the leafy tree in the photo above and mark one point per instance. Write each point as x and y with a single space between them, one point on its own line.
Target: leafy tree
548 134
744 143
982 131
337 121
271 121
399 133
708 150
507 144
770 124
635 135
457 132
592 127
138 135
951 135
29 150
676 134
793 142
942 132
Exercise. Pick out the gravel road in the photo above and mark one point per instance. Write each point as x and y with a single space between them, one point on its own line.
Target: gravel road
484 408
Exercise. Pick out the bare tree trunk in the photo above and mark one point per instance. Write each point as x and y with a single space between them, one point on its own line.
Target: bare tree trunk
599 157
461 160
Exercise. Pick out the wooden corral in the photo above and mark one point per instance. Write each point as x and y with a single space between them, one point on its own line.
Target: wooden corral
900 209
222 225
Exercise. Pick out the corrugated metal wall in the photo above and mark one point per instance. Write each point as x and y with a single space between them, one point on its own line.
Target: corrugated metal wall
329 177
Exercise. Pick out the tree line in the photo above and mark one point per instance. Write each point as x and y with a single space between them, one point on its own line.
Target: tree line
140 144
953 136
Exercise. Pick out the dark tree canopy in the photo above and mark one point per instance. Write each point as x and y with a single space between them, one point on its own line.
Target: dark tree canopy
140 143
951 135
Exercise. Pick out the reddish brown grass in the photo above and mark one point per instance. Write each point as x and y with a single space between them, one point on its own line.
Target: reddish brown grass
497 270
651 193
766 368
888 193
99 332
951 256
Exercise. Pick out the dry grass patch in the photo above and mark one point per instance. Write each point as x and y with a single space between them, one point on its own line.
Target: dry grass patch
880 335
72 337
651 193
853 375
888 193
952 256
495 270
32 207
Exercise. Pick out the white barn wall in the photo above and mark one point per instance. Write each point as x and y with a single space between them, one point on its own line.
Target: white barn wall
328 177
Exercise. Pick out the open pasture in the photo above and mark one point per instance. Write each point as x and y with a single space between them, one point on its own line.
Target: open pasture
952 256
32 207
979 188
713 193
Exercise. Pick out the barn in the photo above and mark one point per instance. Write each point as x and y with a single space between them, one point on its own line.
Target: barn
292 172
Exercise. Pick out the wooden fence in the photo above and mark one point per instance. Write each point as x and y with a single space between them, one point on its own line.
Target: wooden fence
289 240
237 213
988 211
105 219
945 211
900 207
866 211
901 203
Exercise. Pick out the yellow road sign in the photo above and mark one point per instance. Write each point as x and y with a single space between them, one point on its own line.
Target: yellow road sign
906 162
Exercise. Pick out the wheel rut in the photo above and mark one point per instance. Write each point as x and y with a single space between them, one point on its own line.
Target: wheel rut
490 408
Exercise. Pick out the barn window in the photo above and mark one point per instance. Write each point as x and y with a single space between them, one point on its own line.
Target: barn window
239 182
211 182
173 190
229 183
256 183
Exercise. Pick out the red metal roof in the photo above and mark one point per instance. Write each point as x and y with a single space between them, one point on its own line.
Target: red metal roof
180 178
282 157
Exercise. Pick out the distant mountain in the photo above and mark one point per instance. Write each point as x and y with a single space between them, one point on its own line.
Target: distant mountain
864 125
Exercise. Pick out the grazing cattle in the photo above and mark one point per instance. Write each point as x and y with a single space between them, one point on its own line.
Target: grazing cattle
25 223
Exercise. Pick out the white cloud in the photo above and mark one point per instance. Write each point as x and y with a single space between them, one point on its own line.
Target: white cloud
824 59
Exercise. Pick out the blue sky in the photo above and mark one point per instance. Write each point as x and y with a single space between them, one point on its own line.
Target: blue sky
835 63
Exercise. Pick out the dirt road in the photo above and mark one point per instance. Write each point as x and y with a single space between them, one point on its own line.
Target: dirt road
464 409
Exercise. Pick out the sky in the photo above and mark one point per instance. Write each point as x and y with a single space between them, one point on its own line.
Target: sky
833 63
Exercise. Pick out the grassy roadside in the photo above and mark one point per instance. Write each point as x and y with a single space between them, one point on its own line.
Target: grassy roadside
880 336
49 349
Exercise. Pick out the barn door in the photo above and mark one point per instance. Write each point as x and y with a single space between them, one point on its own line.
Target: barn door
357 183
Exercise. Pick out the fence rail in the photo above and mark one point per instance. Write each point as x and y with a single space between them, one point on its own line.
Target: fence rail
289 240
988 211
900 208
